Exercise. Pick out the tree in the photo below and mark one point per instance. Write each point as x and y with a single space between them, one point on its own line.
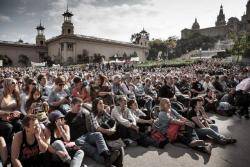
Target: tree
125 56
171 43
134 55
240 46
135 38
6 60
195 42
24 60
70 60
97 58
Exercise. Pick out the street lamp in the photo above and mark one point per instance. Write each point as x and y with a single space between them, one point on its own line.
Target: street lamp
115 56
200 52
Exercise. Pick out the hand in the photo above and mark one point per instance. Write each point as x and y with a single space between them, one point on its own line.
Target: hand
38 131
136 128
16 114
58 123
151 121
61 154
190 124
111 132
6 117
33 105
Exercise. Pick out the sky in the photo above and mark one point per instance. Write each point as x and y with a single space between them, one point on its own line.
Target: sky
111 19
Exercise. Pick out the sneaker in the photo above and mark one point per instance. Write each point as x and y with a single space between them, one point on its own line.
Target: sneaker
111 158
196 143
230 140
128 142
222 142
163 143
237 113
114 155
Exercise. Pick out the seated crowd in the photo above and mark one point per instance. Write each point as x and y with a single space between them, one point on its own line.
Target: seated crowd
55 117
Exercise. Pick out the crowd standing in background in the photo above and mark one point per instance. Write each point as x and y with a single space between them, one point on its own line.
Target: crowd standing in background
59 115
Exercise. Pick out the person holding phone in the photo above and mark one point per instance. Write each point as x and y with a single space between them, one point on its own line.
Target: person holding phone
62 147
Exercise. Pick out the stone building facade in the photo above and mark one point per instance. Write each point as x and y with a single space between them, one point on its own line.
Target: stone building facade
222 29
70 48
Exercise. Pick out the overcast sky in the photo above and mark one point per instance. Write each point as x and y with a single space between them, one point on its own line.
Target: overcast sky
112 19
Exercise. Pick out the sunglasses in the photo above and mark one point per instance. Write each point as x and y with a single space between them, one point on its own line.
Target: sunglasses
14 83
33 83
61 84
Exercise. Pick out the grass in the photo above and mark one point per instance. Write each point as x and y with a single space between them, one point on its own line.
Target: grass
173 62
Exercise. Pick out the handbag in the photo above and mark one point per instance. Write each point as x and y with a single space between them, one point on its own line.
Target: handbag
172 132
157 136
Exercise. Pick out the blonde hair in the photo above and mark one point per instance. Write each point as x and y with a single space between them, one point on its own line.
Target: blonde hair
162 102
7 83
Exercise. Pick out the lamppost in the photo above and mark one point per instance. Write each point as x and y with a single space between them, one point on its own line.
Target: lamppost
115 56
200 52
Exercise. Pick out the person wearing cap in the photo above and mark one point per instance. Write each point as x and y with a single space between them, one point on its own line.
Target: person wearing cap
59 97
61 146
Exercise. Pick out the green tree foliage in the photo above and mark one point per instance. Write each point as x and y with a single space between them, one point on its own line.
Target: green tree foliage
135 38
195 42
97 58
24 60
247 50
6 60
240 45
167 47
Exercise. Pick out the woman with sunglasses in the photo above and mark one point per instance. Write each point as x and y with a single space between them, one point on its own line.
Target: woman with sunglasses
10 110
30 84
37 106
59 98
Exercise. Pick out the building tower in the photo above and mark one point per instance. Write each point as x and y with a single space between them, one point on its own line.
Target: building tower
40 38
67 26
144 38
196 25
220 18
248 18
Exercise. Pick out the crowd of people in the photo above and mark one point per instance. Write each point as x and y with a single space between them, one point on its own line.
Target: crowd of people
56 116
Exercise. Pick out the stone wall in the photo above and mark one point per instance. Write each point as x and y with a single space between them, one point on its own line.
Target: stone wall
92 47
14 51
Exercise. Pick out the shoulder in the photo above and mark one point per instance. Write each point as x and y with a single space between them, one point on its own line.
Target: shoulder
18 137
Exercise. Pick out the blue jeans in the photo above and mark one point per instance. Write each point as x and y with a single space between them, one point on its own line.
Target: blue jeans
93 144
76 159
212 132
